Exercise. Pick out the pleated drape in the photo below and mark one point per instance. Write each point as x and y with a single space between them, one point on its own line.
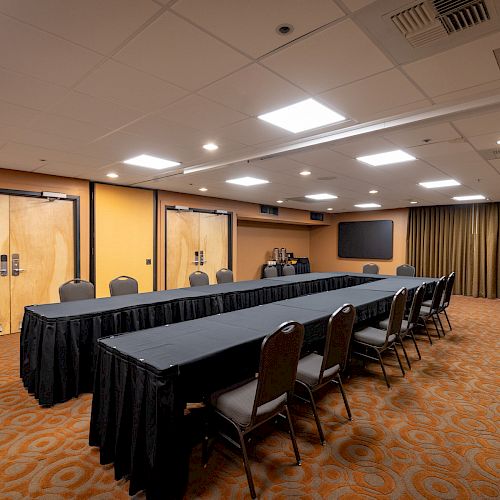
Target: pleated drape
460 238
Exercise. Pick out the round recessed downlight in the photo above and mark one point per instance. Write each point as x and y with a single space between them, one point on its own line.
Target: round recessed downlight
284 29
498 142
279 201
210 146
413 202
373 191
330 209
112 175
203 189
305 172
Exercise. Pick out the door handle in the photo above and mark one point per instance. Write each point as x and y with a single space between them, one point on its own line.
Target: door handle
196 253
16 270
4 265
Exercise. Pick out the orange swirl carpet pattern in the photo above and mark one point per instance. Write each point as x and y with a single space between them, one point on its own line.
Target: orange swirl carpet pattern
434 434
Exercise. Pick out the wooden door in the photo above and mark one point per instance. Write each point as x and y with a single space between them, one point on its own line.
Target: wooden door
183 238
4 252
213 243
42 234
124 236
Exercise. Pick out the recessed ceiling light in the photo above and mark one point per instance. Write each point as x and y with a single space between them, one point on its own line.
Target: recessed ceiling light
321 196
330 209
470 197
303 115
112 175
373 191
203 189
368 205
386 158
247 181
413 202
279 201
210 146
438 184
149 161
498 142
305 172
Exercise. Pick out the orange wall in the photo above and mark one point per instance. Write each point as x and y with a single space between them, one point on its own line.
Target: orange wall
29 181
256 241
324 242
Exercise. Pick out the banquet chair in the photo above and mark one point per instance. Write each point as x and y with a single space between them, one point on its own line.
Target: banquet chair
288 270
76 289
410 324
450 281
370 269
406 270
250 404
382 340
224 276
431 310
198 278
270 272
123 285
315 371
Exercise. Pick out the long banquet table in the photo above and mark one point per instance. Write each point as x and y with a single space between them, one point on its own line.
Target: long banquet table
58 341
144 379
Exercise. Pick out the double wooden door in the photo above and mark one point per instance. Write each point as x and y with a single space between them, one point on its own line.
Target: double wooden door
196 241
36 254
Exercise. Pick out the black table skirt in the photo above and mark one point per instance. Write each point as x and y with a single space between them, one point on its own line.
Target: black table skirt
300 268
137 412
57 355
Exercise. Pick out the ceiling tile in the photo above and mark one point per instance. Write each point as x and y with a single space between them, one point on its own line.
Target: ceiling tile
129 87
321 62
17 116
200 113
252 131
486 141
42 55
354 5
363 146
415 136
459 68
254 90
479 125
94 110
98 25
362 99
204 59
251 26
476 92
65 169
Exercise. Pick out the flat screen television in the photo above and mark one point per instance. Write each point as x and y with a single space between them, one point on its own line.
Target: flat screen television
366 239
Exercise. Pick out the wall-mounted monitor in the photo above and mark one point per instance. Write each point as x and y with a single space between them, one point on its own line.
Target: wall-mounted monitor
366 239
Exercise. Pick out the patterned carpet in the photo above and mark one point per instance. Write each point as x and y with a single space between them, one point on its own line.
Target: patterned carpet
433 435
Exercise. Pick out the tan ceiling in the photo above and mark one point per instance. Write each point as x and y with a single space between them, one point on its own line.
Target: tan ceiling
87 84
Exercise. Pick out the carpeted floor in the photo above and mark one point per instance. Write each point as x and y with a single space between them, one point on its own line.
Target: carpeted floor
433 435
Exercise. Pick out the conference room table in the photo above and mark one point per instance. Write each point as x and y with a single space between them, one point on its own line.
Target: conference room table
144 379
58 341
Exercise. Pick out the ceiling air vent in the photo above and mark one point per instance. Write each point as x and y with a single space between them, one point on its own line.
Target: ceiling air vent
458 15
490 154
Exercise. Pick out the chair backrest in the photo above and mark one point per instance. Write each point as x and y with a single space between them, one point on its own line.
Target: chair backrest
279 356
405 270
448 289
338 338
438 295
224 275
123 285
370 268
397 313
198 278
76 289
270 272
416 304
288 270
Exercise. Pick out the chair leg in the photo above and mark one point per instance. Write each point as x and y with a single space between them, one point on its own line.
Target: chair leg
344 397
405 353
441 324
399 360
315 413
247 464
415 343
447 319
427 332
292 436
436 326
204 449
383 369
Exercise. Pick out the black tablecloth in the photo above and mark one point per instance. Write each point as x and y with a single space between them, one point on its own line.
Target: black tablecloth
144 379
58 341
301 267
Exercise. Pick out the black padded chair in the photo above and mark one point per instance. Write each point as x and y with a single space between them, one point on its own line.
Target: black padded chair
270 272
76 289
382 340
431 312
409 325
315 370
370 269
198 278
224 276
250 404
406 270
448 290
288 270
123 285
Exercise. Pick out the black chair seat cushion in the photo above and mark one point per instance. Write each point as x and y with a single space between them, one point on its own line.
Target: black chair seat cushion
427 303
383 325
309 367
237 403
373 336
425 311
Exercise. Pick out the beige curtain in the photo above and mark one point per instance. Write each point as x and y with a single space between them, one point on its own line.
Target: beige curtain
460 238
